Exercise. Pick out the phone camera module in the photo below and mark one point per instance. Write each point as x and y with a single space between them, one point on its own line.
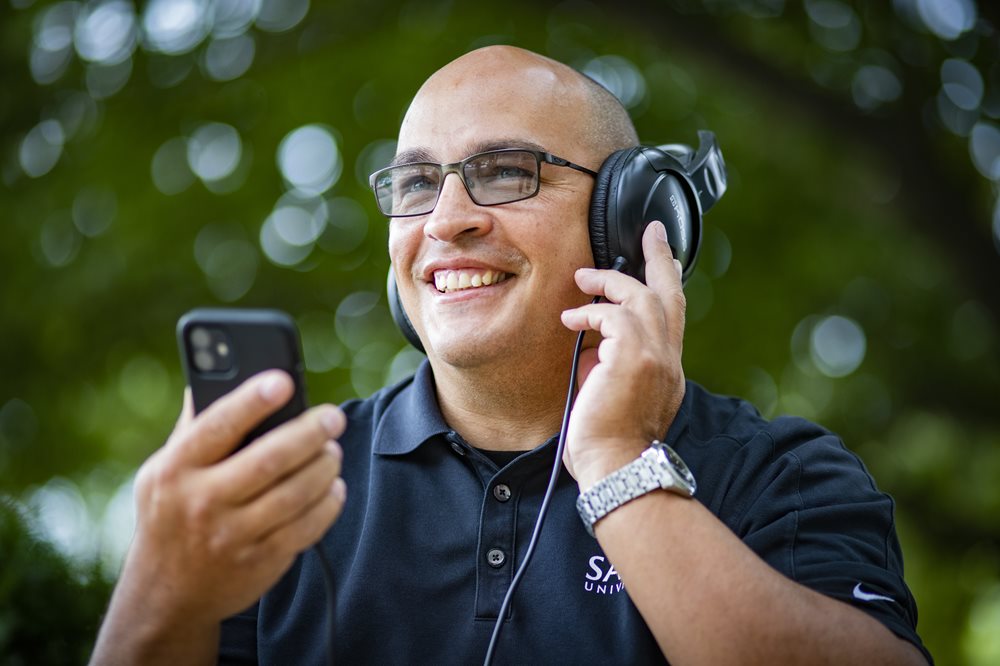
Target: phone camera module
211 350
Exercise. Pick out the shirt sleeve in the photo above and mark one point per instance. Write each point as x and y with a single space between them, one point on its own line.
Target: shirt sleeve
818 517
238 638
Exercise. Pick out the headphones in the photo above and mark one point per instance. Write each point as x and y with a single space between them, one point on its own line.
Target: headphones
672 183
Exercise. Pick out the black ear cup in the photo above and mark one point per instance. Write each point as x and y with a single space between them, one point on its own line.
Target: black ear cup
634 187
399 314
605 190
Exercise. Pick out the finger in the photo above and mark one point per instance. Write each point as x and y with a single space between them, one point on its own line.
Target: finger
663 272
614 286
283 502
280 453
609 319
222 425
310 525
663 276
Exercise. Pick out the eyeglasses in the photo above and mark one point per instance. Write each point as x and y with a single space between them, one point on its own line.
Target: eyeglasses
491 178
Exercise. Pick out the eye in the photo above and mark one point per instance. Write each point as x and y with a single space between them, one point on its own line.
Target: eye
507 171
416 183
414 180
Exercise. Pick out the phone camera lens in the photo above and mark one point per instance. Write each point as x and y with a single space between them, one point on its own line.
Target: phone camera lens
204 361
200 338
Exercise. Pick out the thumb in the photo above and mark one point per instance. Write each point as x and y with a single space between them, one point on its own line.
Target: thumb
187 410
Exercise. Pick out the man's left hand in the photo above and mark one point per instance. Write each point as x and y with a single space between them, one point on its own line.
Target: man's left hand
632 384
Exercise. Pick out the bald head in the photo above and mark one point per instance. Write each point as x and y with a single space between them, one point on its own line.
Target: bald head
540 89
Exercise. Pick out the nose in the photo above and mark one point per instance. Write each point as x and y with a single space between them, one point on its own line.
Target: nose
456 214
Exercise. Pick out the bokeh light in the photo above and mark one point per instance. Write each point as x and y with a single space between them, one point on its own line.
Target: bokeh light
94 209
41 148
52 46
106 32
60 512
227 258
59 239
231 18
175 26
947 19
837 346
309 159
984 146
875 85
619 76
169 167
228 58
281 15
834 24
962 83
214 151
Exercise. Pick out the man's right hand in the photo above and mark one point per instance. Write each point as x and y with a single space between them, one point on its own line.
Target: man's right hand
214 531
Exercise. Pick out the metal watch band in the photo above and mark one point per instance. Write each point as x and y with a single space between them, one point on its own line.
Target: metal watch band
650 471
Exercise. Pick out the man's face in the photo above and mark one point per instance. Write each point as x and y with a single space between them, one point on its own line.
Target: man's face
523 254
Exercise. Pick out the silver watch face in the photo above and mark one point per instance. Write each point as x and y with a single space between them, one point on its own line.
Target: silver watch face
678 466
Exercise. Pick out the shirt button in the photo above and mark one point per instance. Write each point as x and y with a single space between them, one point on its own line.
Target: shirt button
502 492
457 448
496 558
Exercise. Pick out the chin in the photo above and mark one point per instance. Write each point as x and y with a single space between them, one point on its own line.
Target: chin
469 352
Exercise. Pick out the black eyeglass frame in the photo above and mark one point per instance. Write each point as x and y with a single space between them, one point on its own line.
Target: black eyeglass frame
457 168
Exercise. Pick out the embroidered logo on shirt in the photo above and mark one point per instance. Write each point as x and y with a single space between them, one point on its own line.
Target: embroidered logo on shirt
602 577
869 596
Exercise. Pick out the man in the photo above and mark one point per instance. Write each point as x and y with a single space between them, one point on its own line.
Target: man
787 553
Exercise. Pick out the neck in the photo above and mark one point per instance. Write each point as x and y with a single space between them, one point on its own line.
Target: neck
503 408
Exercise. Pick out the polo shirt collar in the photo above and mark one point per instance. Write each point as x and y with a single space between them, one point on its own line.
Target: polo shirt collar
412 417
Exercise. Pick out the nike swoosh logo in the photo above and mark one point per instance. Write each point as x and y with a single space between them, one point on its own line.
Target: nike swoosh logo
868 596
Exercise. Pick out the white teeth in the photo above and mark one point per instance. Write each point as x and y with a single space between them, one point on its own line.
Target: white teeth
446 280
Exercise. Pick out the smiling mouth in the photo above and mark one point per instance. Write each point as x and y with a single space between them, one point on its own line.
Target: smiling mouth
447 281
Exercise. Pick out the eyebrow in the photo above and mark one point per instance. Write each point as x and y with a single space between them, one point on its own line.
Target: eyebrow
426 155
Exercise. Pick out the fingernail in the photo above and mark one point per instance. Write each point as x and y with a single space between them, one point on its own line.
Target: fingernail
271 386
661 231
331 421
679 267
339 489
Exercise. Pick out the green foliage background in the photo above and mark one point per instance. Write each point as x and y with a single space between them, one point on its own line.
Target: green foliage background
873 212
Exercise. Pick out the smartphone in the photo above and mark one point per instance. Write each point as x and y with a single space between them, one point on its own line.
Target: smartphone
223 347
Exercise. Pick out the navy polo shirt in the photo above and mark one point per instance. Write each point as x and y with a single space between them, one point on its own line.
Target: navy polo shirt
433 531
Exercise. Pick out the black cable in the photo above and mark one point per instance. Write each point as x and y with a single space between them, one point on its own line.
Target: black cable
331 598
618 265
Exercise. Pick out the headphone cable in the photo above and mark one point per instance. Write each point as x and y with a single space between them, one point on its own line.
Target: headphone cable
619 264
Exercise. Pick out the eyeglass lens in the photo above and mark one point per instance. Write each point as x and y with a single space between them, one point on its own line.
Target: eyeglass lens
490 178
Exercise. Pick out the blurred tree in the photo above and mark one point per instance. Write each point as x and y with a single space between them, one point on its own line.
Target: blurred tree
47 614
186 152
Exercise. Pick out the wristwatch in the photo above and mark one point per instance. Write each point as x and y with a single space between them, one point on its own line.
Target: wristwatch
658 467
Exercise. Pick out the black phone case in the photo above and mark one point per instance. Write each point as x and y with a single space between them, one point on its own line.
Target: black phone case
260 340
